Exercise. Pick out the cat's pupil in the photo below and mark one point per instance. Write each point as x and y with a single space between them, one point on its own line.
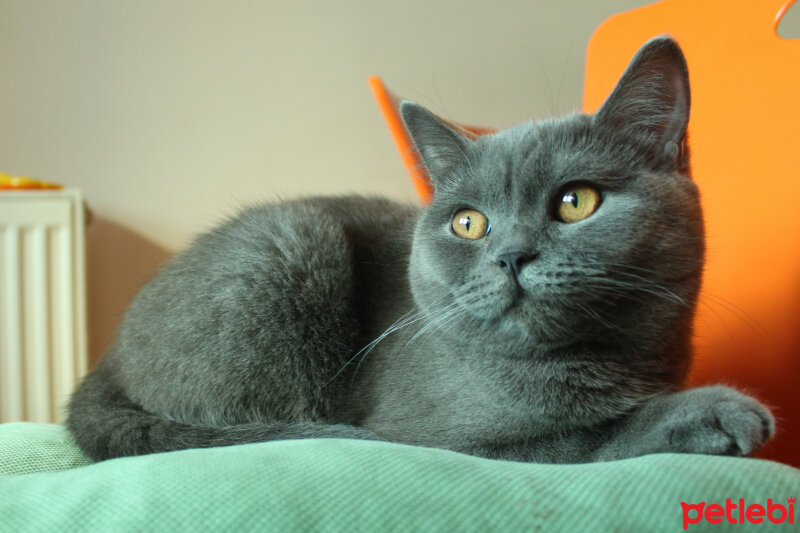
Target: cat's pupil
465 221
571 198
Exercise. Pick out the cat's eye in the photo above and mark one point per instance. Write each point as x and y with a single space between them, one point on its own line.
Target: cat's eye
470 224
577 203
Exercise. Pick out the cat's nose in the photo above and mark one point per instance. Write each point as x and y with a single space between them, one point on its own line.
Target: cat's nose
512 262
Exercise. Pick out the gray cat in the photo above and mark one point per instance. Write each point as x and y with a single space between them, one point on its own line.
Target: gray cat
539 309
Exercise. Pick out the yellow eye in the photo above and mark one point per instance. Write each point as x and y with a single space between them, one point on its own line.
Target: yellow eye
578 203
470 224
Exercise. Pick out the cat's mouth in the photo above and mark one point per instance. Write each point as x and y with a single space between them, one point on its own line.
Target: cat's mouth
503 303
510 306
492 301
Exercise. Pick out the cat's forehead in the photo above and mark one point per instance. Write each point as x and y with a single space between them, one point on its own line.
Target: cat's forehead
535 155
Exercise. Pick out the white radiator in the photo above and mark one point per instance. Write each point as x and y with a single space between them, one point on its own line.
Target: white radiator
42 303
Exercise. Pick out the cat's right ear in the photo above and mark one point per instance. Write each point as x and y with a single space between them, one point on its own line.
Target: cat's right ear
651 100
442 149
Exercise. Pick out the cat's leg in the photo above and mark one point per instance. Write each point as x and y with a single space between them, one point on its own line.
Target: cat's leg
714 420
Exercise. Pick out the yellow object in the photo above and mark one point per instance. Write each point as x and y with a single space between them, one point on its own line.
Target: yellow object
25 182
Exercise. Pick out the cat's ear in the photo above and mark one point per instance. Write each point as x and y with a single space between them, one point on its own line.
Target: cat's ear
441 148
651 99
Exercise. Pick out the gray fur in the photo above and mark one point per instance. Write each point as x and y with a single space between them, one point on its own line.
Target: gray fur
362 318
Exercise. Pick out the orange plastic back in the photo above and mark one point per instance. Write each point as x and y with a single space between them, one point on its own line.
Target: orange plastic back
744 136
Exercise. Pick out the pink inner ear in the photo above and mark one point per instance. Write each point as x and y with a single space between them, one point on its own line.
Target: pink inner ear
389 105
676 130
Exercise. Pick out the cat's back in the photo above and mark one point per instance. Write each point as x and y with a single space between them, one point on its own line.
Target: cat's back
301 276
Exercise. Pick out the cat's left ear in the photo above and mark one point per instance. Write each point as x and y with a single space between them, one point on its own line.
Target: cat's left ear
651 100
441 148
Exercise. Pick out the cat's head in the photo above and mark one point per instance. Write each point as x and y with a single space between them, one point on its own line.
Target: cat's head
585 229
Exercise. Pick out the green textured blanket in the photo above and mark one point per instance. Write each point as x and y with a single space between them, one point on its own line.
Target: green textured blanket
341 485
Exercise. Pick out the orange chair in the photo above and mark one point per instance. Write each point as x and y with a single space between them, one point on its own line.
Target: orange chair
745 142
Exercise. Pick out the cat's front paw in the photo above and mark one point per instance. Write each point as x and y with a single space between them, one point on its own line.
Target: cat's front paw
716 420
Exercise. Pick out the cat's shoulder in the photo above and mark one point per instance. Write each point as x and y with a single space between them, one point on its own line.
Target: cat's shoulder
355 214
343 207
309 222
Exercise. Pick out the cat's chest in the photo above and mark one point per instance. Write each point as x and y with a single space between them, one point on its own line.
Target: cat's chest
455 399
434 397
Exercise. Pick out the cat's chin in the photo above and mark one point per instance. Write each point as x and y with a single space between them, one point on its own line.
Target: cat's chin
517 318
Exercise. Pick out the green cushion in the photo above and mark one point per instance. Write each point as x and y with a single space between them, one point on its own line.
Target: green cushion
342 485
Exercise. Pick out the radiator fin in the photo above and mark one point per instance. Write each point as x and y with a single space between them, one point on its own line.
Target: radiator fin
42 303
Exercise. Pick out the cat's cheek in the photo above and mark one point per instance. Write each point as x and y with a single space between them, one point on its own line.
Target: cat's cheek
427 293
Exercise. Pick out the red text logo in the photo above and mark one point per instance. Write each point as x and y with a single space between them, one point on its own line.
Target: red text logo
738 512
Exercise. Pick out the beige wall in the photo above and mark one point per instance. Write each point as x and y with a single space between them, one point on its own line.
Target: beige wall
170 114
